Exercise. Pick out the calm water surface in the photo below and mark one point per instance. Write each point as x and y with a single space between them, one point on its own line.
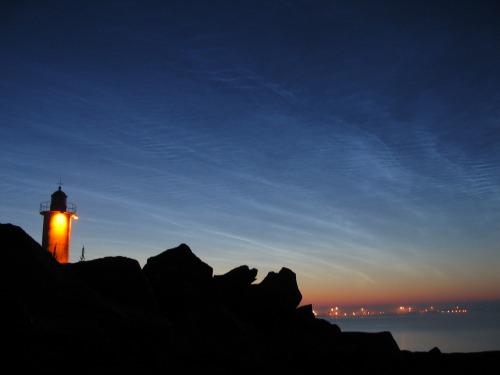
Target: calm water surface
478 330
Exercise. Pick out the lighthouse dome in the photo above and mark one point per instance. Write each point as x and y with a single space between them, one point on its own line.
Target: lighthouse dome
58 201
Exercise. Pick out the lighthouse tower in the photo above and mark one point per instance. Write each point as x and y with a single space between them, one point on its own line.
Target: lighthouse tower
57 217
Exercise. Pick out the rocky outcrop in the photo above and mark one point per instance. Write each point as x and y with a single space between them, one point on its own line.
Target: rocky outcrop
103 312
374 343
31 276
180 281
120 280
231 290
278 294
236 279
49 314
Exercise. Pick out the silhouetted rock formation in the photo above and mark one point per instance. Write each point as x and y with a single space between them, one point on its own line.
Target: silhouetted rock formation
231 289
278 295
49 315
361 342
118 279
236 279
103 314
180 280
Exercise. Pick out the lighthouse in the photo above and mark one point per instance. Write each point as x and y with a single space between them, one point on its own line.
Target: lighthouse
57 217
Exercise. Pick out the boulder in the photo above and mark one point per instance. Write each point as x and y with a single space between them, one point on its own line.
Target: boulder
32 277
305 314
238 278
25 264
280 290
180 280
48 314
435 351
363 342
278 293
305 318
231 289
273 301
118 279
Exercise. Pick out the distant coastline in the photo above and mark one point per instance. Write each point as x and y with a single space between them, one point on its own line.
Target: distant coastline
339 312
477 330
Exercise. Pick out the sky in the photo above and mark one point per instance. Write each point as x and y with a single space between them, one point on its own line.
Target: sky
356 143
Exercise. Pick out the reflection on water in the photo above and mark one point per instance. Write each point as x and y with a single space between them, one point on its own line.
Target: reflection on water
478 330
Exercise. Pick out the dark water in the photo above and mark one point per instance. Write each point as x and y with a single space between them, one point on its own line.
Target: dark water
478 330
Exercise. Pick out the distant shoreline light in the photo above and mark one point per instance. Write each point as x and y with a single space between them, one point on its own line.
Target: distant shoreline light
361 312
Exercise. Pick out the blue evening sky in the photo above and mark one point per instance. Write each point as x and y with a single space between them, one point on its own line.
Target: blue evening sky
357 143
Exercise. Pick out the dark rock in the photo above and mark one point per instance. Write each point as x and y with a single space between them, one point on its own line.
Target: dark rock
362 342
314 336
282 290
435 351
24 262
51 313
119 279
180 281
31 276
238 278
224 324
305 318
275 298
231 289
305 313
324 327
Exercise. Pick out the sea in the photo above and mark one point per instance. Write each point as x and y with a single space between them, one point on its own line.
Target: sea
477 330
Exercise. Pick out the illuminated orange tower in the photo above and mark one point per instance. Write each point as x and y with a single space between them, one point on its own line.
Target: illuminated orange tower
57 217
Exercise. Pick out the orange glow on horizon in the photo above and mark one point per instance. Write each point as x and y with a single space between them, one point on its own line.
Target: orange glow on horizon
397 294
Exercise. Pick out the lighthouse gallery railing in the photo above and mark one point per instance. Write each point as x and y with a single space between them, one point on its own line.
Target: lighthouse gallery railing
45 206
